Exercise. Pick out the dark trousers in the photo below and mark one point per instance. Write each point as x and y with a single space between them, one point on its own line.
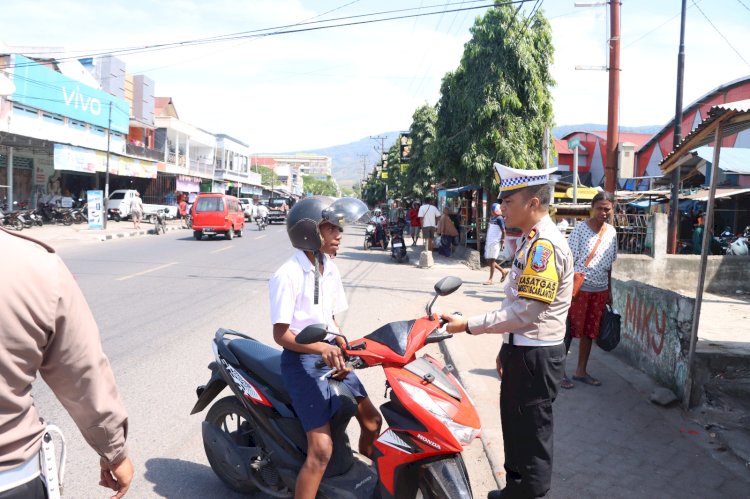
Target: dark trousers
531 379
34 489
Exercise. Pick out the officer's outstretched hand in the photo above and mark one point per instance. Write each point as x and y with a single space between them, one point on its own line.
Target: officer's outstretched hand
117 476
333 357
454 323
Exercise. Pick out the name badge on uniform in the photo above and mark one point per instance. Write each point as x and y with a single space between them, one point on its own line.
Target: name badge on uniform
539 280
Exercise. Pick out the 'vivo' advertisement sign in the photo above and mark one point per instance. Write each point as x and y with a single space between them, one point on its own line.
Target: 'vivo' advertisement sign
42 88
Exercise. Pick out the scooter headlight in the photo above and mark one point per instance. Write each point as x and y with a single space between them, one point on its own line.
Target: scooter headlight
464 434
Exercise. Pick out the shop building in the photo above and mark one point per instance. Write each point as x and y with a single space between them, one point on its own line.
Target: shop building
61 132
232 174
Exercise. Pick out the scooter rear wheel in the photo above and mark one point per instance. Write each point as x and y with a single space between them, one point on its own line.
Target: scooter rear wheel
230 416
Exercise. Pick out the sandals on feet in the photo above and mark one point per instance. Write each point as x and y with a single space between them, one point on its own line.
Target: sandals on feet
505 275
486 283
566 383
588 379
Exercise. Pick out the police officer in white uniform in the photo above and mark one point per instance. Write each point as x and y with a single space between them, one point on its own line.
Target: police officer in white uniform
532 320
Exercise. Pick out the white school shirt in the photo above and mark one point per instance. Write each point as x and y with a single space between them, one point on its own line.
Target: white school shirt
429 214
292 294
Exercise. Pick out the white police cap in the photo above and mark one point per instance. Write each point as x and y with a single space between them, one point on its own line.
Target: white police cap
512 179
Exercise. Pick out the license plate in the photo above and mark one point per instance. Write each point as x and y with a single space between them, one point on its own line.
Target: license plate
398 245
208 231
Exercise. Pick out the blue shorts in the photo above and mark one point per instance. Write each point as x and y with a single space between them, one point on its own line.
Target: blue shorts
311 397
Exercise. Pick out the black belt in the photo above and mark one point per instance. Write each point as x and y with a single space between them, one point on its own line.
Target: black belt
510 339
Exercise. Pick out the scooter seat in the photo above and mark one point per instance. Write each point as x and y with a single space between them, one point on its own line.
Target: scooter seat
262 361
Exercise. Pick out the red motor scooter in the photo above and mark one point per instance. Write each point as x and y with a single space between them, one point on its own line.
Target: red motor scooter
254 441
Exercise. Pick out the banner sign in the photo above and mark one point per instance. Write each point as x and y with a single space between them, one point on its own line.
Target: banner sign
40 87
95 200
79 159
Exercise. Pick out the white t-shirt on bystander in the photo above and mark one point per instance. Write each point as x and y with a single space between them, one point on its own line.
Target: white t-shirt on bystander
429 215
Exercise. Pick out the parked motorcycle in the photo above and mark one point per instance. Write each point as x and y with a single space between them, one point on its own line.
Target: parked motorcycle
254 441
11 220
398 247
741 245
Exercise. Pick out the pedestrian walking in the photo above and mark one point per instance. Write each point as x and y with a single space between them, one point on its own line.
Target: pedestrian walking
493 245
414 223
594 247
47 329
532 317
136 210
428 215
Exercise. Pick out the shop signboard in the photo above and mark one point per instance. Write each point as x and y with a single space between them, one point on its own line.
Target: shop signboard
40 87
95 201
79 159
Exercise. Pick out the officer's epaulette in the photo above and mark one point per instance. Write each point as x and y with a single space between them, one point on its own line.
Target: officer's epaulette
46 246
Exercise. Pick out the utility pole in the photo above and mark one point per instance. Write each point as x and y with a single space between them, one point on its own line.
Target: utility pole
613 108
613 133
363 157
674 205
106 174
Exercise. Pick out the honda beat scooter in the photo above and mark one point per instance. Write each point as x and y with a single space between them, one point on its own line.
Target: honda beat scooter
254 441
398 248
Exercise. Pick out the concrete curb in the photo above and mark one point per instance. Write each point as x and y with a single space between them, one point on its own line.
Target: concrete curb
498 469
142 232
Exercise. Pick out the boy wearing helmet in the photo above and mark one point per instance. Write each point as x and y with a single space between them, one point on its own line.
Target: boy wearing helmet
307 290
379 220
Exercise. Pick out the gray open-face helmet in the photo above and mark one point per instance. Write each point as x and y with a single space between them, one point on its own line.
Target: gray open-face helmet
304 219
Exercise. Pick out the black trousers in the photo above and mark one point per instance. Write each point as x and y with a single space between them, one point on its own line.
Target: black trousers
34 489
531 379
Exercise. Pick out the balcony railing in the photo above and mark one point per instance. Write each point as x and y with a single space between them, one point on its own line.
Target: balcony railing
144 152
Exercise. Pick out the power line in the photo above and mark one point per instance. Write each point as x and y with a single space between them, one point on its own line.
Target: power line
743 4
720 34
644 35
522 31
285 29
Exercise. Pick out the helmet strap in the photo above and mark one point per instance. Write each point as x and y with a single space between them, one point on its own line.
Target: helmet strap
318 264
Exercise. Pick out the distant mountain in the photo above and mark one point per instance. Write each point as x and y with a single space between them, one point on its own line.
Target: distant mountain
347 161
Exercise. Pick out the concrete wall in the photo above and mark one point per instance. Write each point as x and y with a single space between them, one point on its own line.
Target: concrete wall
655 330
724 274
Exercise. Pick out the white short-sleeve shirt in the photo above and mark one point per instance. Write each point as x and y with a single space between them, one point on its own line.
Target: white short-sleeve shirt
429 214
292 294
582 241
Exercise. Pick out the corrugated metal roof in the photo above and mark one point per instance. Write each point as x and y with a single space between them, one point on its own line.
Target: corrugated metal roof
732 159
737 118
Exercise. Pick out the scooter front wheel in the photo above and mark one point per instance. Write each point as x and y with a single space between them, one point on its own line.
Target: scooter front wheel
237 429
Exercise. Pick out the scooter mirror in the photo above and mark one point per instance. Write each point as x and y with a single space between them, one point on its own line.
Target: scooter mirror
448 285
312 334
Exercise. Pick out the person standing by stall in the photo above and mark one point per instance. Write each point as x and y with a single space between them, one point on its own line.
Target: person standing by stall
594 247
493 246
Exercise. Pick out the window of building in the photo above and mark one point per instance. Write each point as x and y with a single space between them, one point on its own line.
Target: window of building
29 112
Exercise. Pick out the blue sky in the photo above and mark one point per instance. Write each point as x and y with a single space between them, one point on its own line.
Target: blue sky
316 89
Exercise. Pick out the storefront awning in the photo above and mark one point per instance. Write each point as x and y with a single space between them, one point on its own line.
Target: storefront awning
452 193
702 195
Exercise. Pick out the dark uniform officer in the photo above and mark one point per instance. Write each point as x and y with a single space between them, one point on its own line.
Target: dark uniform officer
533 315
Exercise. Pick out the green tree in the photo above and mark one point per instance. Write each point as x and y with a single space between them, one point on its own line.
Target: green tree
420 174
317 187
267 176
497 103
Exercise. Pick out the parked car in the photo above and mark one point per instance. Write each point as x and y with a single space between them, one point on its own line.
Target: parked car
215 213
118 206
248 206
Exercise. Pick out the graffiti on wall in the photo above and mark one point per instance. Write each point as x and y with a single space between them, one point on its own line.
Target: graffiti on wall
645 323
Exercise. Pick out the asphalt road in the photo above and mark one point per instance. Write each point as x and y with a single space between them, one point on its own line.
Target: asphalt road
158 302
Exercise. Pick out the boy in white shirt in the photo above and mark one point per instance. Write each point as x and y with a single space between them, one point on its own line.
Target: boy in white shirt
307 290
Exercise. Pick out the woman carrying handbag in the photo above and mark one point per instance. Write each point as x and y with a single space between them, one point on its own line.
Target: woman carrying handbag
594 247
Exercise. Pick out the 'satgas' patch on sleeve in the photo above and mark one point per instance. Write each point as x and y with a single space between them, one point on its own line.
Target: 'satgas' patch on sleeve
539 280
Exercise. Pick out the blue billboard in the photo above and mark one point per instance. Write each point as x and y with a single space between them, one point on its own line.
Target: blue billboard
40 87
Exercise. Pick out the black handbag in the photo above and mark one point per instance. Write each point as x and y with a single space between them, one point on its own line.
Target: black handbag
609 330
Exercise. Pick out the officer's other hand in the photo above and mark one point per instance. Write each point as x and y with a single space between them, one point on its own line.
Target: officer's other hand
117 476
499 366
333 357
454 323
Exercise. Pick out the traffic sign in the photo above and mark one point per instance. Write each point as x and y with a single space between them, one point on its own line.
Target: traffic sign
574 142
